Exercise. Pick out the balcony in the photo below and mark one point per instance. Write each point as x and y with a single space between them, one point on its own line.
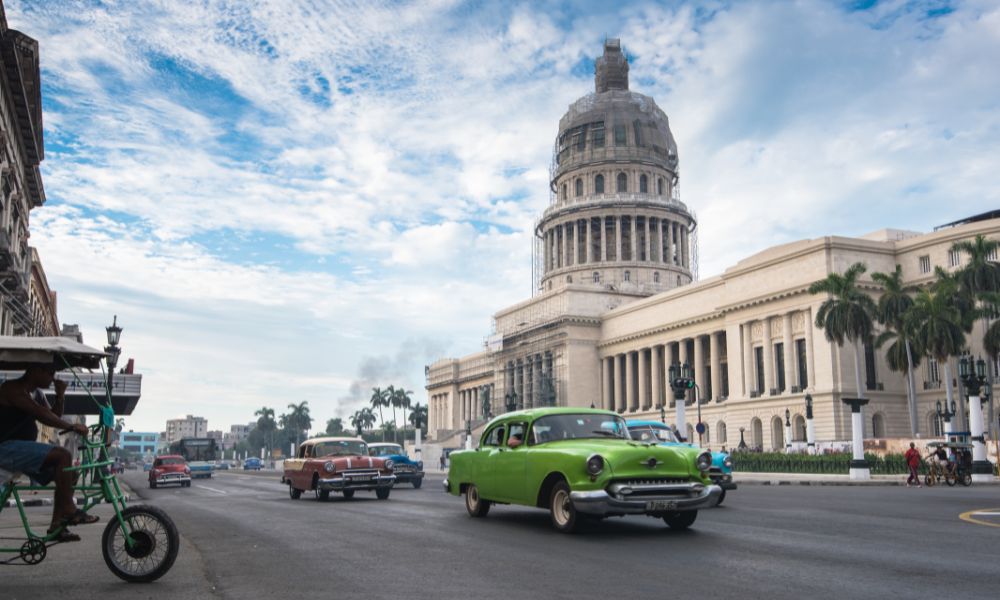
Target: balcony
932 385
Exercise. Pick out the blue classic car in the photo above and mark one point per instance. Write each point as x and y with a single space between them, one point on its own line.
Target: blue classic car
252 464
405 470
721 472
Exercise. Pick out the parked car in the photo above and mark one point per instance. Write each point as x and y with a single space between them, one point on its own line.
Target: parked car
253 464
221 465
169 469
404 468
337 464
721 472
576 462
201 469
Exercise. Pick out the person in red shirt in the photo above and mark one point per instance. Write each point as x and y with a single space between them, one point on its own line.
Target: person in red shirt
913 461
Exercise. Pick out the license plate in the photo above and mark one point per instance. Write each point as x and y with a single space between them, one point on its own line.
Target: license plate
656 505
361 478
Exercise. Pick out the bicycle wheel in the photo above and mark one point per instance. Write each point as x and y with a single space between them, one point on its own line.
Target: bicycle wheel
155 543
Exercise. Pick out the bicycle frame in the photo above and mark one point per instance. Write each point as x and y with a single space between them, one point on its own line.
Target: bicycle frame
96 482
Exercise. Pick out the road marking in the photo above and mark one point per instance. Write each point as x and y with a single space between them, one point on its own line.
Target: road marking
969 517
205 487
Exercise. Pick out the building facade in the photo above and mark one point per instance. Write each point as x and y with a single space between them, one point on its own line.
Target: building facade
143 443
188 427
618 303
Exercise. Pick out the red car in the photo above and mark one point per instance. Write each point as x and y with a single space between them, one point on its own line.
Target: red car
337 464
169 469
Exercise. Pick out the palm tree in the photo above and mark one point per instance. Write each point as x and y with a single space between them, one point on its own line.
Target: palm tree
299 419
358 422
266 423
378 401
368 417
405 401
418 417
935 323
335 426
980 274
891 312
392 400
846 316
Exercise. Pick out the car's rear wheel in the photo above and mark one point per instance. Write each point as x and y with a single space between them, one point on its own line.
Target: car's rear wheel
561 509
186 484
722 497
417 483
680 520
152 485
382 493
930 480
293 493
965 479
348 494
476 506
322 495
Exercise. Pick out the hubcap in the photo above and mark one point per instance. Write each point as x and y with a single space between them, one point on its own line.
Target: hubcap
473 496
560 507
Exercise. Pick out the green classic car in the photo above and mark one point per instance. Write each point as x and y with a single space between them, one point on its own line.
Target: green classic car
580 462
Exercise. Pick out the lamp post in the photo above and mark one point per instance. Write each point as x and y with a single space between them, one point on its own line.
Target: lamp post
973 375
743 444
663 413
810 426
788 431
511 401
681 380
946 415
112 350
468 434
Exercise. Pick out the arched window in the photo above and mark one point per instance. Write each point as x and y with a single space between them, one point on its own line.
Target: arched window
756 434
564 191
777 434
690 432
656 277
878 426
569 279
799 428
597 277
659 186
643 184
628 276
720 432
599 184
579 187
622 183
934 424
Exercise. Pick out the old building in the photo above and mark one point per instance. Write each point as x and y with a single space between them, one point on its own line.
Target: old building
187 427
618 301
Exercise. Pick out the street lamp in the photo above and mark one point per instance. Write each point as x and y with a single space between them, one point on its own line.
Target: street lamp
788 431
112 350
946 415
468 434
681 380
743 444
810 426
973 374
663 413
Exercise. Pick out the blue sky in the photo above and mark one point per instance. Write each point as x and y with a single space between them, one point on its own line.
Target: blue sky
287 201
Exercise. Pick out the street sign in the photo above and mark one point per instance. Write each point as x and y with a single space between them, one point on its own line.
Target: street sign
700 428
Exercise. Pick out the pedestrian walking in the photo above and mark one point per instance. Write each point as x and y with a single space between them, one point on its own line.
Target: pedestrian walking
913 461
442 461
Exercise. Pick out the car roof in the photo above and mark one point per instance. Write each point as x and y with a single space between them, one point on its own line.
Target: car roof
383 444
171 456
333 439
534 413
641 423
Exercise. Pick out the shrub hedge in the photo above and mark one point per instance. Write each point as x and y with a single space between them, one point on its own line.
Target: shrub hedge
837 463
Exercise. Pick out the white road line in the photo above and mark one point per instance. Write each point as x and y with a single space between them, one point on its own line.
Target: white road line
205 487
987 514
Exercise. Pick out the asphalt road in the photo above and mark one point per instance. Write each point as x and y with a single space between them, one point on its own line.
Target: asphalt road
243 537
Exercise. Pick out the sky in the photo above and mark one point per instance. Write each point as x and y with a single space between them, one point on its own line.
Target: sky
287 201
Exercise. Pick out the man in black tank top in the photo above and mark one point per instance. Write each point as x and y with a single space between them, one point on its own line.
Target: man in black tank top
42 462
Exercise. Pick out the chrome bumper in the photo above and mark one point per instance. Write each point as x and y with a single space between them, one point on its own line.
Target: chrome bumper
653 500
725 481
349 483
174 479
408 475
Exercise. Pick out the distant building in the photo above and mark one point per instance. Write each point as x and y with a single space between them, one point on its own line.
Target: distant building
237 434
145 443
189 426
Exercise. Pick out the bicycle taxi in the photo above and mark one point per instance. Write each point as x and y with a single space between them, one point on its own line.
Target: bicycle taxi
140 543
958 467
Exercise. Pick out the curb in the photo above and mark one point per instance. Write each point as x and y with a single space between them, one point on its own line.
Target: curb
779 482
48 502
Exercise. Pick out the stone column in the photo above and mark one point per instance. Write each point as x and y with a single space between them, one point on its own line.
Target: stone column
607 392
630 380
643 373
618 238
635 238
750 370
699 366
655 364
618 404
539 372
982 469
668 229
653 238
519 382
570 244
786 333
604 240
589 240
477 409
768 358
810 369
716 364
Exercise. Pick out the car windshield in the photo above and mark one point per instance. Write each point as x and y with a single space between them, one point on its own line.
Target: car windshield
171 461
385 450
340 448
575 427
649 434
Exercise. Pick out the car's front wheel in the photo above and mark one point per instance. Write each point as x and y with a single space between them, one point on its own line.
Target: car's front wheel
348 494
561 509
322 495
152 485
722 497
417 483
293 493
680 520
476 506
382 493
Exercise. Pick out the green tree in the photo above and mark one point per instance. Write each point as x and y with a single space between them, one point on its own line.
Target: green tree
418 417
391 400
405 400
935 323
377 401
298 420
891 312
980 274
335 426
846 315
266 425
357 422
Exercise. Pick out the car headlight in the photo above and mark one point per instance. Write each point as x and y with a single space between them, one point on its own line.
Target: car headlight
389 464
728 462
329 467
420 464
704 461
595 464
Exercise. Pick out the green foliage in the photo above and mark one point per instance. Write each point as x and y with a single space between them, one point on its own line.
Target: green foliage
935 322
847 314
335 426
832 464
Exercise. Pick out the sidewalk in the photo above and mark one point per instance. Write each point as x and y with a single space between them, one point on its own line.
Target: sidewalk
824 479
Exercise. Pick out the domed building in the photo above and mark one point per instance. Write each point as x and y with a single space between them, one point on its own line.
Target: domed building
618 300
616 219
